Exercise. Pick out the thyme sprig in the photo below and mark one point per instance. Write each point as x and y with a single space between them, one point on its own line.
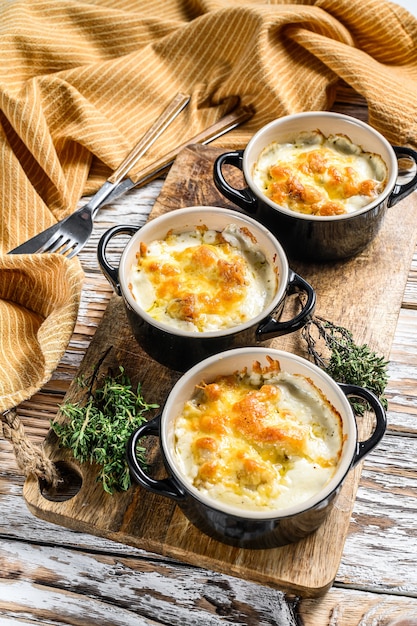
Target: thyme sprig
97 430
344 360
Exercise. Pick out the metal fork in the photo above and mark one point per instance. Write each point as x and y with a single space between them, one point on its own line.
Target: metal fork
70 235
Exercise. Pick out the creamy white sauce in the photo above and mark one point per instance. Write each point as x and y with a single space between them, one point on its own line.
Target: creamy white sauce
340 153
289 476
165 298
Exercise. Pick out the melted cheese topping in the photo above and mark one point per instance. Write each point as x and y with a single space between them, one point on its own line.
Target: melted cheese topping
203 280
261 441
320 175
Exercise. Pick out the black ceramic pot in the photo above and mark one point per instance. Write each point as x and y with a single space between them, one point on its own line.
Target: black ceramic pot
227 523
180 349
313 237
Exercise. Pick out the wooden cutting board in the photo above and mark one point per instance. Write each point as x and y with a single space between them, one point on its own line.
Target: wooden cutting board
363 294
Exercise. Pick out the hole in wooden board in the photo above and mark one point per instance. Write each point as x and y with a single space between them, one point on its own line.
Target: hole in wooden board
68 487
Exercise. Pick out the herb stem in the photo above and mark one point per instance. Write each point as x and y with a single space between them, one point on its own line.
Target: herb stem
333 349
98 430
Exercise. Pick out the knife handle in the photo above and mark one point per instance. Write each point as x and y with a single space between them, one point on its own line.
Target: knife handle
163 121
219 128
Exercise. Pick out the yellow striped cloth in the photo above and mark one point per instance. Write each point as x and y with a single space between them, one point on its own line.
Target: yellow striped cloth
81 80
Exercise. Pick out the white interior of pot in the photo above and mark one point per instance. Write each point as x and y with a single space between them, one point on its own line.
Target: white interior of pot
236 360
182 220
286 129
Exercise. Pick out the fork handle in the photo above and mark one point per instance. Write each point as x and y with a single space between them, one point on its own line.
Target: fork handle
151 135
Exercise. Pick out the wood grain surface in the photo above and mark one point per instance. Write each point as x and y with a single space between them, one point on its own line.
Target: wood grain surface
350 292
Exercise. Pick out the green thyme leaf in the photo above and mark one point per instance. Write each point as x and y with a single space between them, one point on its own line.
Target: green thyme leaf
345 361
98 430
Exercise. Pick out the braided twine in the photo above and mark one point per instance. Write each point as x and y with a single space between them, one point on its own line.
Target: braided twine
31 459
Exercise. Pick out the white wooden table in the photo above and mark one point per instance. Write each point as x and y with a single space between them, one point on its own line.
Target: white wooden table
51 575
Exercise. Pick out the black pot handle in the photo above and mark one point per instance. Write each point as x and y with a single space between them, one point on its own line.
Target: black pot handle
109 271
402 191
364 447
167 487
270 327
244 198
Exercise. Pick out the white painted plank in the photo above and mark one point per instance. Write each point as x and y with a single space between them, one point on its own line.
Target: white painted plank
383 527
129 590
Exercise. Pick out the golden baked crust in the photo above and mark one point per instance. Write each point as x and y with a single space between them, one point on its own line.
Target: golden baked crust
246 436
320 175
203 280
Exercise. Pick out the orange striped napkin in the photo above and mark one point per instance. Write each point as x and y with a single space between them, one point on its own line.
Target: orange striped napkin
80 82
